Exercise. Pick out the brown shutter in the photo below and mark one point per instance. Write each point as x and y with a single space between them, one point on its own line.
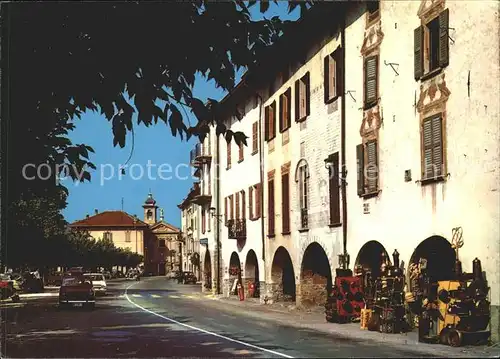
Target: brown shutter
266 124
286 109
225 210
273 120
334 190
297 100
228 154
307 90
270 211
250 203
258 193
326 77
418 53
285 202
444 51
339 68
333 76
255 138
243 205
241 149
203 221
427 168
370 80
372 166
231 207
237 195
282 114
360 168
437 142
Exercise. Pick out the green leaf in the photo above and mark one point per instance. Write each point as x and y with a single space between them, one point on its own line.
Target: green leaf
175 120
240 138
228 136
264 6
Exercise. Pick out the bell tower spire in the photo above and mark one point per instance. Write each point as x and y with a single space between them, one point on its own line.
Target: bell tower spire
150 208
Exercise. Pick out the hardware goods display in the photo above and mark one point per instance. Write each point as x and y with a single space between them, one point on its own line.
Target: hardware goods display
345 301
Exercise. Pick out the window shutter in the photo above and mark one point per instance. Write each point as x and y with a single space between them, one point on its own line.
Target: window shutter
258 192
228 144
250 203
307 90
231 207
225 210
427 170
281 114
370 80
272 114
361 168
297 100
444 51
271 214
266 123
334 190
241 149
288 116
255 138
372 166
285 200
437 144
203 221
237 195
339 67
333 76
243 205
418 54
326 78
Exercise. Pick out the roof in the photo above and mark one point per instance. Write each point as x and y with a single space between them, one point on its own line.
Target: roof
194 191
150 201
166 225
110 219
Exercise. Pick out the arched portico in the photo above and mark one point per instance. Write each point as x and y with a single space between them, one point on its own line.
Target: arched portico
282 276
234 271
207 271
252 271
315 276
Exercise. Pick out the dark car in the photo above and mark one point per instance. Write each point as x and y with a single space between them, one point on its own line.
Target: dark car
76 290
189 278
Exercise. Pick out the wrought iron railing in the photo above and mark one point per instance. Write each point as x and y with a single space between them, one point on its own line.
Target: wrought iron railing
304 218
237 228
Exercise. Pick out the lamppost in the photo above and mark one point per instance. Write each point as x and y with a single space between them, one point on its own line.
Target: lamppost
213 211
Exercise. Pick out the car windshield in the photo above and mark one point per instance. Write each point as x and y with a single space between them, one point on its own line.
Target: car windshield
4 277
95 277
73 281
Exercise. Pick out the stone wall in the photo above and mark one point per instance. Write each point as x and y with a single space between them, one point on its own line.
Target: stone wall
312 289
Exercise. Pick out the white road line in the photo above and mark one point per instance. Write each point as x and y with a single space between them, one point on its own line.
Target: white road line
203 330
173 296
134 295
155 296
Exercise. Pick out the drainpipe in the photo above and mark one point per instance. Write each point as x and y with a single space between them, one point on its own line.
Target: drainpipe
217 201
261 192
345 255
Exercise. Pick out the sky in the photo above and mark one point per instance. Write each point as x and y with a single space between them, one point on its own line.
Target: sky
154 145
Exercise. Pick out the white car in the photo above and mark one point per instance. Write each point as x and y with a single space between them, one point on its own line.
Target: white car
98 282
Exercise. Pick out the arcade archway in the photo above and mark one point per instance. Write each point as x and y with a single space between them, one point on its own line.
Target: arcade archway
283 276
252 271
207 270
316 276
234 273
370 258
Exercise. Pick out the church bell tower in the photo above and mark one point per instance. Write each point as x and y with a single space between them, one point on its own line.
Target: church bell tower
150 208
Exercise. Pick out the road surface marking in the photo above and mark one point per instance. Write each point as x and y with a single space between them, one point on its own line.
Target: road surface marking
203 330
155 296
173 296
135 295
188 296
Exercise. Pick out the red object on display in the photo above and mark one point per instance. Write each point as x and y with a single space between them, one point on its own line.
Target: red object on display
251 289
349 295
241 293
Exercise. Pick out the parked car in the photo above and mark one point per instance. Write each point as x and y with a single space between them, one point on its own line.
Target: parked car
107 275
6 286
173 275
98 282
76 289
189 278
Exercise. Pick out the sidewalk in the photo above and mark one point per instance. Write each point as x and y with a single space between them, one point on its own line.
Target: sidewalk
315 320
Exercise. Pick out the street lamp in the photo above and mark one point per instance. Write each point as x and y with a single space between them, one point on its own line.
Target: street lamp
212 211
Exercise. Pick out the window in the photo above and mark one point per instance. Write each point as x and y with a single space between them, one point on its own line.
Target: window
243 204
373 10
149 215
127 236
241 152
270 203
334 179
237 195
231 207
108 236
302 98
225 210
228 147
285 110
431 46
250 202
432 148
161 243
254 202
371 81
203 221
209 170
333 75
270 120
303 195
255 137
367 160
285 199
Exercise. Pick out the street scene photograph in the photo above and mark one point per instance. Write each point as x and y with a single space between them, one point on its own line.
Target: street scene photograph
250 179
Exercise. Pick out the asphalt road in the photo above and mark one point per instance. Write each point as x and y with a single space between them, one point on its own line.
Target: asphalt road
158 318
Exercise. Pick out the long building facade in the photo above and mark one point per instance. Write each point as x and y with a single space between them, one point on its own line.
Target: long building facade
377 131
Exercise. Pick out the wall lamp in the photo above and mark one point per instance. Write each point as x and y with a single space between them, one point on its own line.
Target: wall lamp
328 162
212 211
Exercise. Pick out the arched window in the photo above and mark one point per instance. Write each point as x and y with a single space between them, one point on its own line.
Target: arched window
302 179
150 215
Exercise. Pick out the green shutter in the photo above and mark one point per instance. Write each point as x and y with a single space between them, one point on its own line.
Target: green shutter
444 51
372 166
360 169
418 54
370 80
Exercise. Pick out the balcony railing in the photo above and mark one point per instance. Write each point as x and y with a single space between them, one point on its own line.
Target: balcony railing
200 154
304 218
237 228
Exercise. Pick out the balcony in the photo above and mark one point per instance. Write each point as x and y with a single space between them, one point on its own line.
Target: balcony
304 218
237 229
200 196
200 154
